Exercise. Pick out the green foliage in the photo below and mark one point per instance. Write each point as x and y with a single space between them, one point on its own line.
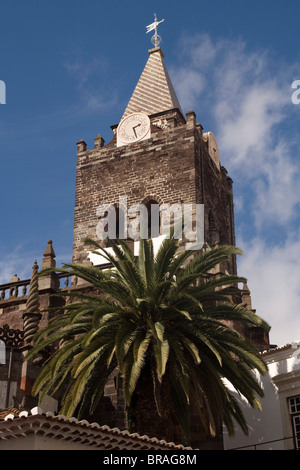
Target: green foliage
162 313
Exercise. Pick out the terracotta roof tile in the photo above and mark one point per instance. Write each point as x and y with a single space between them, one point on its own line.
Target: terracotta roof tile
9 411
15 424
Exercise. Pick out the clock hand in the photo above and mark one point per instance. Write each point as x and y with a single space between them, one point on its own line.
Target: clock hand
134 127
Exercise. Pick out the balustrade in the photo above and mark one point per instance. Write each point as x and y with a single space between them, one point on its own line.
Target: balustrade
14 289
17 289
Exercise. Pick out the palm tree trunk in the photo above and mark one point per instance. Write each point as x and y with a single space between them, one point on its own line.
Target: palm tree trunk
143 416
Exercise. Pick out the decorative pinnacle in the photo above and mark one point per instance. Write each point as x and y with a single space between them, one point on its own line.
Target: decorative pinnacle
156 39
32 315
49 255
32 304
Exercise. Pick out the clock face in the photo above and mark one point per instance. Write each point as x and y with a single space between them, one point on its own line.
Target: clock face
133 128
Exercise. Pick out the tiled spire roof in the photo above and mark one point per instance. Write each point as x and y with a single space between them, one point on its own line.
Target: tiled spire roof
154 91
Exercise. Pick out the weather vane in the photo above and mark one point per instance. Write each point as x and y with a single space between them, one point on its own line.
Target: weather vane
156 39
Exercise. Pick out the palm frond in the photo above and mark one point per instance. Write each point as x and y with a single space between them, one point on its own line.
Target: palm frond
168 317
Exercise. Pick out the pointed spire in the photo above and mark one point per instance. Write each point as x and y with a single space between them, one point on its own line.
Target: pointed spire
49 255
246 296
154 91
32 316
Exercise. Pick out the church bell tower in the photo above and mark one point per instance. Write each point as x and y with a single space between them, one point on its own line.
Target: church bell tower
157 155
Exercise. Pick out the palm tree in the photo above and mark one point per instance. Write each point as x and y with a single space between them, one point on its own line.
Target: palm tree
160 323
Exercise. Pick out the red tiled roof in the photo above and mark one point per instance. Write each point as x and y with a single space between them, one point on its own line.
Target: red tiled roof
277 349
9 411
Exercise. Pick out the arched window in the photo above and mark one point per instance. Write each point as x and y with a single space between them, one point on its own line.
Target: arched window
153 218
120 223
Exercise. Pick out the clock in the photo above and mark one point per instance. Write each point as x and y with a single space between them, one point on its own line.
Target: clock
133 128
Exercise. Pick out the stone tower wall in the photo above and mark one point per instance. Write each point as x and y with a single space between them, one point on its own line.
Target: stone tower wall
173 166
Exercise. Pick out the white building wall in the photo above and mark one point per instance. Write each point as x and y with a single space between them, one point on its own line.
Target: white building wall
271 429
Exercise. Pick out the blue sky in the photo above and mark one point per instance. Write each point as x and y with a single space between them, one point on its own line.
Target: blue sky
70 68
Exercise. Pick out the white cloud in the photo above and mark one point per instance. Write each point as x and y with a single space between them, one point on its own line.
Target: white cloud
17 262
199 49
190 84
245 95
20 262
83 70
87 76
277 196
245 130
273 275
